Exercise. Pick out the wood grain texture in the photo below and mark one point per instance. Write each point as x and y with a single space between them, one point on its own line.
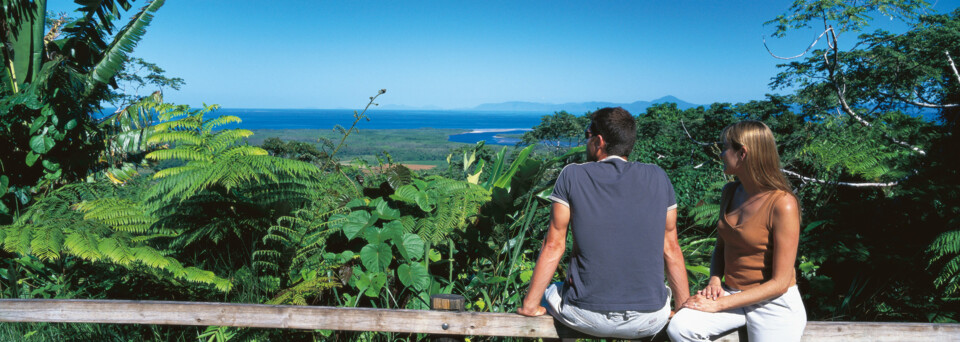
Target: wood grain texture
409 321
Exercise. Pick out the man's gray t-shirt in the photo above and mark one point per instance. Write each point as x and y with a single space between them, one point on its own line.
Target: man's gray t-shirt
618 213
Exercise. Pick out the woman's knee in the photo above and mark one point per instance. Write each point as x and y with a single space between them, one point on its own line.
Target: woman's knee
683 328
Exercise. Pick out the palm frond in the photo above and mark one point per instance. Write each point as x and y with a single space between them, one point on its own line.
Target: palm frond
116 53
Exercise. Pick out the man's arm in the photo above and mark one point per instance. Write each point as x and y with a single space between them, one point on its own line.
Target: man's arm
553 247
673 263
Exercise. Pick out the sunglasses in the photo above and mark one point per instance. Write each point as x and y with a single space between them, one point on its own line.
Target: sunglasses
587 133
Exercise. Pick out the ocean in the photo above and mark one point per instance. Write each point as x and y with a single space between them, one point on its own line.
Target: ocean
489 126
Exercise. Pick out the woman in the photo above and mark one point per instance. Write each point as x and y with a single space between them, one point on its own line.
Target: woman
756 248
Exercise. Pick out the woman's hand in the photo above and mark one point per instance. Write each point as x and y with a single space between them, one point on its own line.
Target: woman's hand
713 290
701 303
539 310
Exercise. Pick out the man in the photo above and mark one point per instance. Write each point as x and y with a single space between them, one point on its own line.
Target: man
623 216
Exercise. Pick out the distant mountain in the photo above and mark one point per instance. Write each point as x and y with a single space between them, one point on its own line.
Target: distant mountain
581 107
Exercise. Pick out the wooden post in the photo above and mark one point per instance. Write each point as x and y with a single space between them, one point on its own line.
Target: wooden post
447 302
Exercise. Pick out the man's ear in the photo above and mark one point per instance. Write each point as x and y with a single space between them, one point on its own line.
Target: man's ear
601 144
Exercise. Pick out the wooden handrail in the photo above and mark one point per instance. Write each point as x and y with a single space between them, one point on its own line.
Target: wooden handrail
388 320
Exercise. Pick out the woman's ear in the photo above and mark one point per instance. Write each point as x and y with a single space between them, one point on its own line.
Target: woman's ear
743 152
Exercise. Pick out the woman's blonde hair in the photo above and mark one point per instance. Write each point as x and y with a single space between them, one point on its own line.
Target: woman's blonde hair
763 160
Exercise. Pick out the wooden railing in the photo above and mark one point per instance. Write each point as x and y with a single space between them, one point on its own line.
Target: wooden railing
386 320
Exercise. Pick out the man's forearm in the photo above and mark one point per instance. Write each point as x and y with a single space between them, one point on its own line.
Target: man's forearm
543 272
676 272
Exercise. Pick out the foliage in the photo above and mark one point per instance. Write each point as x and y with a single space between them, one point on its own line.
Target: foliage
559 130
52 230
49 91
297 150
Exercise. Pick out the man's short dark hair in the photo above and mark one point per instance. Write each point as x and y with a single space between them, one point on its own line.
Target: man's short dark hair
618 128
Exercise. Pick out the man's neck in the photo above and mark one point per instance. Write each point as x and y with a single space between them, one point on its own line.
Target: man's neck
609 156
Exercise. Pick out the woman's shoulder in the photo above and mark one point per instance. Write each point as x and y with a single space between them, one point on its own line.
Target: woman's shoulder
785 203
731 186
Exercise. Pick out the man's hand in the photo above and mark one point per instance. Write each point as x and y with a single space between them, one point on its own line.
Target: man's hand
713 290
701 303
539 310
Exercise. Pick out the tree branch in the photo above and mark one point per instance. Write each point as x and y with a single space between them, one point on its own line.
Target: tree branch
952 65
691 137
855 185
841 90
802 53
919 104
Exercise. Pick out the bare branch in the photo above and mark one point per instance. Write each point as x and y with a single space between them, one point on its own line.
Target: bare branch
691 137
802 53
855 185
930 105
952 65
919 104
865 123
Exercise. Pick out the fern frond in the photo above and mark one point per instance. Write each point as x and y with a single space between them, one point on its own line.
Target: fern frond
946 243
119 214
83 244
46 242
184 153
228 140
117 250
949 273
210 125
18 238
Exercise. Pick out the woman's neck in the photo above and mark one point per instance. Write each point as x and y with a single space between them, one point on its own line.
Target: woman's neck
750 186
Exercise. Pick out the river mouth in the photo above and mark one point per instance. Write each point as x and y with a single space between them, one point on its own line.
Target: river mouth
505 136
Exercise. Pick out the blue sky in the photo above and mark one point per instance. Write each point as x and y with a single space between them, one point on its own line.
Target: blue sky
458 54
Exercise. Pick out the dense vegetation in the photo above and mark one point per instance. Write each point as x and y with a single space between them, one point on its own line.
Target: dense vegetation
159 201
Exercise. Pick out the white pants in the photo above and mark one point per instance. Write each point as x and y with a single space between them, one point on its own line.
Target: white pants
619 324
779 319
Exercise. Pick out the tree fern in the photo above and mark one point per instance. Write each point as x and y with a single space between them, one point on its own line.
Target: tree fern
945 251
52 228
854 150
707 212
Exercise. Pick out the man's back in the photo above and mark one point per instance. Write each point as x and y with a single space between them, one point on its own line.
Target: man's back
624 219
618 210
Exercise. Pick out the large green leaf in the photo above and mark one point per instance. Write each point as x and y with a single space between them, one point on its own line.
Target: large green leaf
504 180
25 43
51 166
411 247
37 123
376 256
424 201
392 230
355 222
384 210
377 281
699 269
414 275
123 43
32 158
406 193
374 235
41 144
497 168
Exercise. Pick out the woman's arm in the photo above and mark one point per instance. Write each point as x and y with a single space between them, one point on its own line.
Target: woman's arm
786 238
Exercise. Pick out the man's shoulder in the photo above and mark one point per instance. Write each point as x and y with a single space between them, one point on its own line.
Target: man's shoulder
574 168
649 168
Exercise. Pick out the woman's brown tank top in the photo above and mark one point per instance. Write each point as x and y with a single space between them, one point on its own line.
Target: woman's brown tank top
748 247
